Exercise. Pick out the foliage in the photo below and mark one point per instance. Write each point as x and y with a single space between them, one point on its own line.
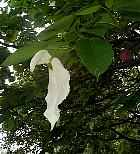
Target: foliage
102 112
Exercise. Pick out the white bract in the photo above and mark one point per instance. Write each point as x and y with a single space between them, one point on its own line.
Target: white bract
58 87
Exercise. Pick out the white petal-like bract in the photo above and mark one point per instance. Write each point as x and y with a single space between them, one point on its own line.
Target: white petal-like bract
41 57
58 87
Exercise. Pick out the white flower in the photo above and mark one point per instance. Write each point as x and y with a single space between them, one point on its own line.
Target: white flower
58 87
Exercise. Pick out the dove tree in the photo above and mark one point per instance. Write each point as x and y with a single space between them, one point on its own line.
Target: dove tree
70 90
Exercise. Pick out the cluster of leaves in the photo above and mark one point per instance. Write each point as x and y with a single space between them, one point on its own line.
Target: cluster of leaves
102 112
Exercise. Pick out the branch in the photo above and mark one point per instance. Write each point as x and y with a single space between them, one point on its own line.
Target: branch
125 122
130 64
8 45
123 65
125 137
129 39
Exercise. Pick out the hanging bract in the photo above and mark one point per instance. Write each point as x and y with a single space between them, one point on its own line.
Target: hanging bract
58 87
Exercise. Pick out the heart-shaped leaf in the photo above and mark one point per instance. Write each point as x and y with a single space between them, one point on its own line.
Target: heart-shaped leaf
96 54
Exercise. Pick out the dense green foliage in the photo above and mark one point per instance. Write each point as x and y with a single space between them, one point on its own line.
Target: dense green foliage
101 114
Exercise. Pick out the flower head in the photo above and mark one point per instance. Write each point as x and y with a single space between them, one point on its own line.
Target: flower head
58 87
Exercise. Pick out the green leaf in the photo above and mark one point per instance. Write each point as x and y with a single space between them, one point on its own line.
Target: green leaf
39 19
24 53
135 16
9 125
98 30
16 4
60 48
132 6
121 112
128 102
3 54
58 26
109 3
1 119
107 18
88 10
101 25
95 54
